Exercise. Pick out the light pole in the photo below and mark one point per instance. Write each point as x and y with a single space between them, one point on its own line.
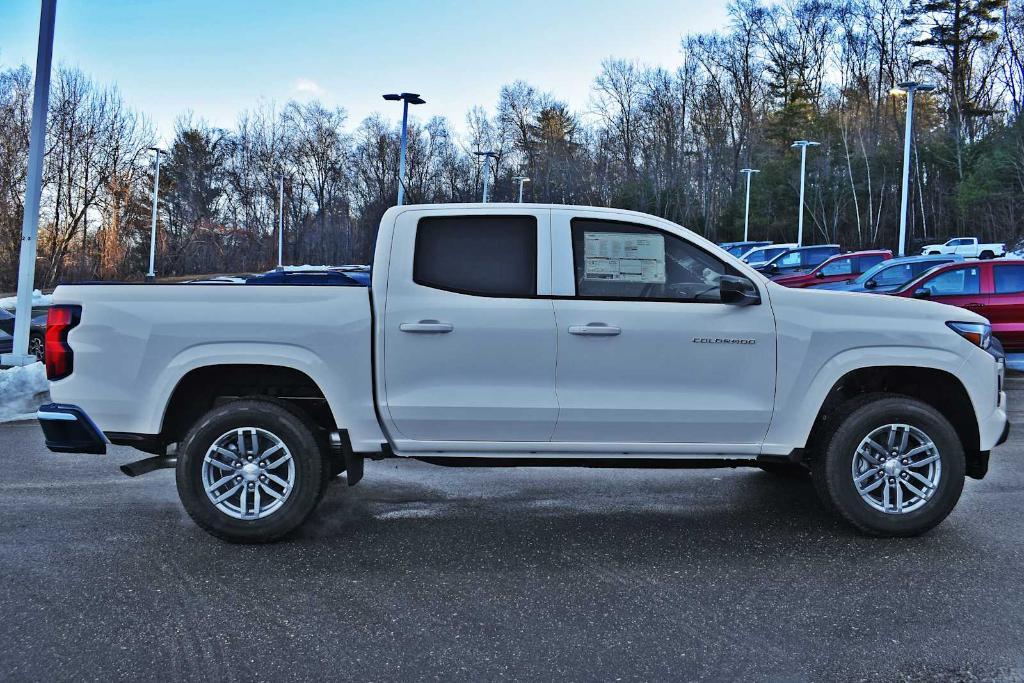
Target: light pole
521 179
407 98
487 156
33 189
746 213
280 222
151 275
909 87
803 145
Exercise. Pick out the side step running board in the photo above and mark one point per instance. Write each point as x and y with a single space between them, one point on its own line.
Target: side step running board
147 465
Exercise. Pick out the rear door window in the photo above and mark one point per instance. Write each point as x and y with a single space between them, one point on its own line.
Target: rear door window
869 262
1009 279
480 255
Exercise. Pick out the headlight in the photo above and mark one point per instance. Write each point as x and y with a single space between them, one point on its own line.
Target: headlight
979 334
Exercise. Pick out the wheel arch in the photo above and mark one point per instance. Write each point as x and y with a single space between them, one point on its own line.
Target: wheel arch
202 387
935 387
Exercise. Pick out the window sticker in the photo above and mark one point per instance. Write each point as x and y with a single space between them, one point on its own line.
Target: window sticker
624 257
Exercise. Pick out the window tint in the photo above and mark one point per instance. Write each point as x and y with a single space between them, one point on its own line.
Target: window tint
790 260
625 261
869 262
1009 279
486 255
954 282
816 255
842 266
895 275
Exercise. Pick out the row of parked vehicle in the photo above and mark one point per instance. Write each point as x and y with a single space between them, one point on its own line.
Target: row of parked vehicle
962 272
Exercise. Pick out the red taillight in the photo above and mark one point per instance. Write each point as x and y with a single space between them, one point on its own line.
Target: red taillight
60 359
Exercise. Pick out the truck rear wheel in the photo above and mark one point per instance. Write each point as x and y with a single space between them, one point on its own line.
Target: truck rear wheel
894 466
986 255
250 471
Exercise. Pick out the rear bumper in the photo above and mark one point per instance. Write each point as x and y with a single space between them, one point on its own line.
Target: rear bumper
68 429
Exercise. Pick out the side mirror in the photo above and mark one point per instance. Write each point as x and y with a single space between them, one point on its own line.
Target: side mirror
774 267
820 273
738 291
870 284
922 293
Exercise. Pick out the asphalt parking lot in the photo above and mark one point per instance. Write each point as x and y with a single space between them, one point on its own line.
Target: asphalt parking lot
423 572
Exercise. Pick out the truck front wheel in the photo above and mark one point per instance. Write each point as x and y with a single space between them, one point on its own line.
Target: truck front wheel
250 471
894 466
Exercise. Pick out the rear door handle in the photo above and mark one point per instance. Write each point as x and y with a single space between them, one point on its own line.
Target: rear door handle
595 330
427 327
973 305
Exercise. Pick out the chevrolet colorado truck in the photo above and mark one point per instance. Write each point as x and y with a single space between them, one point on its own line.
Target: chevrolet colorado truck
518 334
968 247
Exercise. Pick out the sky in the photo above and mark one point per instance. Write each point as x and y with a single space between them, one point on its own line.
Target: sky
216 58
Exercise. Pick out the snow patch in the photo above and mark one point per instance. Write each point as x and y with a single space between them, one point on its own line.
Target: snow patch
38 299
22 391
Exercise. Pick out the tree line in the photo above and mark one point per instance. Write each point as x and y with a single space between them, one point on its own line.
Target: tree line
665 141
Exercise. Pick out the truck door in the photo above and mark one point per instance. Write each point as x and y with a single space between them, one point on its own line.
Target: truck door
468 339
647 353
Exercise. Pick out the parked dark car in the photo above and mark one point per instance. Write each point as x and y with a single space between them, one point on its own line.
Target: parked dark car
798 260
890 275
37 334
993 289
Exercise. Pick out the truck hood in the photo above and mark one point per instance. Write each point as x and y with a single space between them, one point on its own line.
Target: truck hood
859 307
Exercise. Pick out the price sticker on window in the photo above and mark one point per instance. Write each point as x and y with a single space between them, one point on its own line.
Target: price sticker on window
624 257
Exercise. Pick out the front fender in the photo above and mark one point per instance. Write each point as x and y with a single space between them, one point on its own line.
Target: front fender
798 405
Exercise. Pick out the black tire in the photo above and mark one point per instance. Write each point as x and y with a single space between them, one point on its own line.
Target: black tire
986 255
295 432
789 470
832 469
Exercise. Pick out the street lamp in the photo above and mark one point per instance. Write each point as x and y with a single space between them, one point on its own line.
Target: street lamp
407 98
908 87
521 179
803 145
487 156
746 213
151 275
33 189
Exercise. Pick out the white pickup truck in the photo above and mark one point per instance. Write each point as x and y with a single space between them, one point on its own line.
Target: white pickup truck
518 334
968 247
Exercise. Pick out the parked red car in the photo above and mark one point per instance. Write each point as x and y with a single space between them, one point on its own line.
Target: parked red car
838 268
994 289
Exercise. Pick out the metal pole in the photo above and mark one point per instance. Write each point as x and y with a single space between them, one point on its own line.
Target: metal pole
280 223
521 181
746 213
908 132
401 156
33 188
151 275
487 175
800 222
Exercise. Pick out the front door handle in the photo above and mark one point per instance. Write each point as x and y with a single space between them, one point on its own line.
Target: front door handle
427 327
972 305
595 330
